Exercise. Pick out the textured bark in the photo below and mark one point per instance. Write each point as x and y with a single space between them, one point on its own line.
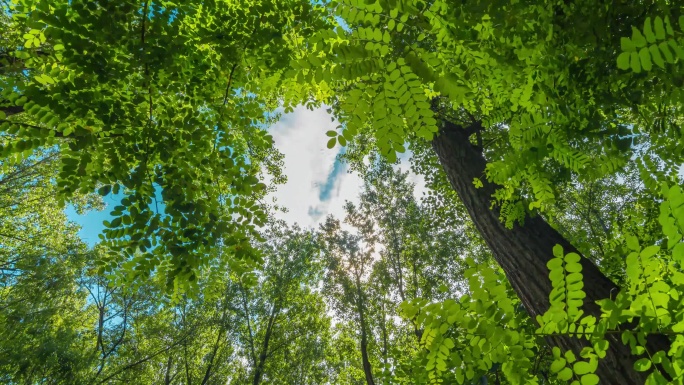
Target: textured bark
523 252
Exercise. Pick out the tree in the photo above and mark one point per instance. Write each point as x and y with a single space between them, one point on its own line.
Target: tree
283 322
514 102
41 257
395 253
403 71
418 239
167 108
349 263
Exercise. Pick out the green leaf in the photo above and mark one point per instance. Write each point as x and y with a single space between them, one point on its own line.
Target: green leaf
557 365
623 61
554 263
601 345
645 56
573 267
104 190
558 251
666 52
460 377
637 38
572 258
650 251
655 55
634 62
676 48
632 242
589 379
570 356
565 374
331 143
582 367
678 327
648 31
659 28
331 133
678 252
391 156
627 45
642 365
668 26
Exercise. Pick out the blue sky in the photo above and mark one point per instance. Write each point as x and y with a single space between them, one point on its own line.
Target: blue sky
91 222
317 183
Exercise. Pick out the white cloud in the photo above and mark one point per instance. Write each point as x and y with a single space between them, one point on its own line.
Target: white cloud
311 168
300 136
417 180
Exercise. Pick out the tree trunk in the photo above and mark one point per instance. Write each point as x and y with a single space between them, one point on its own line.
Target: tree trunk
263 354
167 376
523 252
210 366
385 344
367 368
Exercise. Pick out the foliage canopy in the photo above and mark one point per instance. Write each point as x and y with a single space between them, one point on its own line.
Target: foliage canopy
555 126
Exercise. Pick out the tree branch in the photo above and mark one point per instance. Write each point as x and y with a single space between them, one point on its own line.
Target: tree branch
143 360
12 110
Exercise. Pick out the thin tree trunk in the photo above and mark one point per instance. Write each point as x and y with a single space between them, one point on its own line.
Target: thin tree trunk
385 344
259 369
523 252
367 368
214 352
167 376
249 325
188 378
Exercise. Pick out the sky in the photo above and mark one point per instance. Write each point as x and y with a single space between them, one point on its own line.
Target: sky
318 184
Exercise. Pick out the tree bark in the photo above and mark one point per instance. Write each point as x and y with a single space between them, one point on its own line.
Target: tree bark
167 376
523 252
208 372
263 354
367 368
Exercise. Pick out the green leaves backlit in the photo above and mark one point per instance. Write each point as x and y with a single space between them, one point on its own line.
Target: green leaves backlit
657 45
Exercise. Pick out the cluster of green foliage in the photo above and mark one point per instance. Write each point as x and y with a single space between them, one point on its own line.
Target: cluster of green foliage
168 103
642 50
160 102
66 324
